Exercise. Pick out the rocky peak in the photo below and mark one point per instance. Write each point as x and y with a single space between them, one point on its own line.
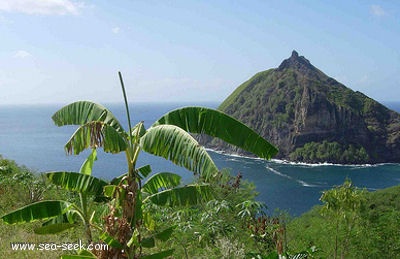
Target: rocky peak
311 117
296 62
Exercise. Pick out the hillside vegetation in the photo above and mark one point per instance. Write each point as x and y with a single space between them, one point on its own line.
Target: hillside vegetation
369 230
232 225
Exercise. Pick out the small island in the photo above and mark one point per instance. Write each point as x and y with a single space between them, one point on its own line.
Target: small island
313 118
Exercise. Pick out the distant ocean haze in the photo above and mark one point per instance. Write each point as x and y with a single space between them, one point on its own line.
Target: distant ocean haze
28 136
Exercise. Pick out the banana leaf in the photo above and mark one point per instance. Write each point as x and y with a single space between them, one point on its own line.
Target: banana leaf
220 125
178 146
82 112
37 211
159 181
182 196
73 181
98 127
87 166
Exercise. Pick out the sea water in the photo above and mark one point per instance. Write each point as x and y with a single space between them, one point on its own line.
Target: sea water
28 136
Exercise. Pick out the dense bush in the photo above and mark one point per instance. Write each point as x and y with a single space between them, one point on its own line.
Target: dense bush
329 152
20 186
368 230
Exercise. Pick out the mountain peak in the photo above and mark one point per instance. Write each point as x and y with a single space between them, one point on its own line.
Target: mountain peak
311 117
296 62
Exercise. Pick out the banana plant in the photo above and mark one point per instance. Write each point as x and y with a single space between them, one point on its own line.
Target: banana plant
169 137
164 189
160 189
60 214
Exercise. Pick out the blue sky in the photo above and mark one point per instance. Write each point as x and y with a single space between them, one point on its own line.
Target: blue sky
59 51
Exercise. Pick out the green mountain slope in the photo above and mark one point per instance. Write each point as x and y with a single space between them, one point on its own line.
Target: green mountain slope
311 117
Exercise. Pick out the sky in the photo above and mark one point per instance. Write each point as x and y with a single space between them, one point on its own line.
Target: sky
60 51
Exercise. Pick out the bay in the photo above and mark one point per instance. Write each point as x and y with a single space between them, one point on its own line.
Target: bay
28 136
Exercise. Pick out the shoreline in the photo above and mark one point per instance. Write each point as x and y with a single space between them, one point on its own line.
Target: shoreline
286 162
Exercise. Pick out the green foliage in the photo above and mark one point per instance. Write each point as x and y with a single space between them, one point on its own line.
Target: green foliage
40 210
330 152
238 93
233 225
60 215
365 224
27 184
128 222
217 124
129 227
15 177
175 144
343 206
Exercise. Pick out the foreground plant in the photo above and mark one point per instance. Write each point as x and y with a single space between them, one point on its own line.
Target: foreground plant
60 215
168 137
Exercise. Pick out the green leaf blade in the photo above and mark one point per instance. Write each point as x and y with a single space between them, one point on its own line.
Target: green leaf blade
87 166
82 112
97 127
37 211
178 146
217 124
163 180
182 196
73 181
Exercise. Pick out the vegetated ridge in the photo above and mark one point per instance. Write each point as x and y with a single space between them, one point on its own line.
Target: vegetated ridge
311 117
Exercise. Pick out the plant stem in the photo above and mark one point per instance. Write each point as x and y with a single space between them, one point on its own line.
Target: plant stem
126 104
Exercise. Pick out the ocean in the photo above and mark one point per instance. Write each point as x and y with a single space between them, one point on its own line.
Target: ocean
28 136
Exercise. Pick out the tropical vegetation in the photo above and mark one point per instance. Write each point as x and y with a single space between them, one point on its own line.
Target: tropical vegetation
329 152
364 225
351 223
125 226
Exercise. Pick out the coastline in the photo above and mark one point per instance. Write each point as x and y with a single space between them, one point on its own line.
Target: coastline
294 163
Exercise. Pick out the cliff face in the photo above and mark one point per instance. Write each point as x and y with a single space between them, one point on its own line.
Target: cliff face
312 117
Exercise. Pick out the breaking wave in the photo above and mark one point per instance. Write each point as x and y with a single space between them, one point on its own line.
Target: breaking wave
301 182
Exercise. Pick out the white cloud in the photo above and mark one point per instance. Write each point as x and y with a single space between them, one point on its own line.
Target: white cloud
42 7
22 54
377 10
116 30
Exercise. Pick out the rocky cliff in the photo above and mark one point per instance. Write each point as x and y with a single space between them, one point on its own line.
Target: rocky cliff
311 117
